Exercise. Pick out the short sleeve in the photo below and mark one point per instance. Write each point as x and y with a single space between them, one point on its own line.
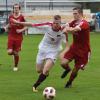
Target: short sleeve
83 25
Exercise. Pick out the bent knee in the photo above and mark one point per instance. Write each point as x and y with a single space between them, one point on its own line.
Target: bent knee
61 56
46 72
10 52
64 61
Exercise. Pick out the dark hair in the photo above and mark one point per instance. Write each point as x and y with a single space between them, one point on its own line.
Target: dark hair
57 17
16 5
80 10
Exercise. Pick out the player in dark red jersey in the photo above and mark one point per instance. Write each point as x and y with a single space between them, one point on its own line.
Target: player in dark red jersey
15 35
79 50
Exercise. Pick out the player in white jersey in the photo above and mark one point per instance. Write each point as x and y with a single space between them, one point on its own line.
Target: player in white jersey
49 47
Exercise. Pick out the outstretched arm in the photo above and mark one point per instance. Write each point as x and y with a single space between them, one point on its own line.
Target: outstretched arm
29 23
72 29
21 23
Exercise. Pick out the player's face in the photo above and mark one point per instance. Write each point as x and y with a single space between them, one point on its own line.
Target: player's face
76 14
16 9
56 25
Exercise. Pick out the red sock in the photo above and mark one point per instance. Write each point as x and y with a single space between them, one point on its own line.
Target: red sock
16 60
72 76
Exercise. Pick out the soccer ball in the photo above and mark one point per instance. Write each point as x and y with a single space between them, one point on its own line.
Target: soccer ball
49 93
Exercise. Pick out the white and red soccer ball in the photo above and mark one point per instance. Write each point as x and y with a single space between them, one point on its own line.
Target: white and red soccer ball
49 93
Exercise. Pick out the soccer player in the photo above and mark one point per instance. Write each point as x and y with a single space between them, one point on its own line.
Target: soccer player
15 35
49 47
79 50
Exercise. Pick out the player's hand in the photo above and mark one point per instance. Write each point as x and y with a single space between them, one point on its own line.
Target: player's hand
19 30
14 21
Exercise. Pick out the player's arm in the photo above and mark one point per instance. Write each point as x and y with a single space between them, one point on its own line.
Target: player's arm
21 30
29 24
75 29
81 26
72 29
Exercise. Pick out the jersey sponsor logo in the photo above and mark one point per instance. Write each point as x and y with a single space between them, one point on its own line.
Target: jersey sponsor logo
58 35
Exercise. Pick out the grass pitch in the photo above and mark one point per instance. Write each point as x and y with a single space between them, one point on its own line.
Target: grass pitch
18 85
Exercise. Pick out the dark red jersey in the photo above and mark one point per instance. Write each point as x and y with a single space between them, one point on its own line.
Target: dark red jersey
81 39
12 34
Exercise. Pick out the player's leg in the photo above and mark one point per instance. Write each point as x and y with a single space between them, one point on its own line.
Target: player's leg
39 66
72 77
39 69
80 63
13 49
16 60
65 59
66 66
40 61
10 47
48 65
17 48
74 71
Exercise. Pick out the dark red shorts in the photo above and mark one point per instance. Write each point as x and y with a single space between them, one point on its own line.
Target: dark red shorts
80 59
15 45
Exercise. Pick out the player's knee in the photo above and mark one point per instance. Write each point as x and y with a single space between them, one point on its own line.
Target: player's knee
61 56
16 53
46 72
10 52
64 61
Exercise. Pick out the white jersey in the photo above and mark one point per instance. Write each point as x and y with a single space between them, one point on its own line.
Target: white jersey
52 40
50 45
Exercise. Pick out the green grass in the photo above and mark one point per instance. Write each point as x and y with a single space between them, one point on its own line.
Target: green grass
18 85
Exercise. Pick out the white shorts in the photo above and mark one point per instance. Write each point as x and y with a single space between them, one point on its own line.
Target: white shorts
45 54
